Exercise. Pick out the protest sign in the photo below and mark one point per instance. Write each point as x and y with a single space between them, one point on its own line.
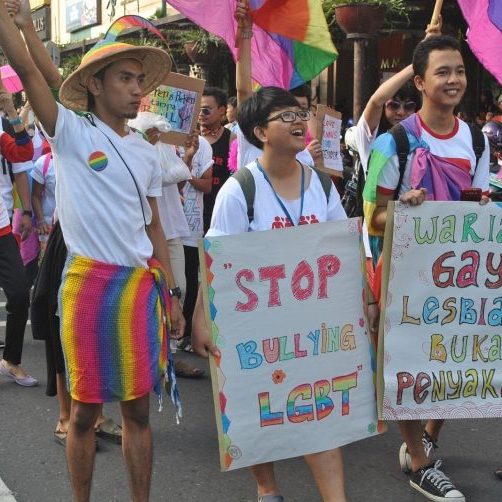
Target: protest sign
440 339
329 123
178 100
295 374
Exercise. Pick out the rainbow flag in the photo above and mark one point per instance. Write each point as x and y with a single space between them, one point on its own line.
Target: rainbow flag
484 35
291 42
113 332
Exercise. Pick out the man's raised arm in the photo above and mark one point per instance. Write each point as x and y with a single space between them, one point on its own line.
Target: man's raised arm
35 86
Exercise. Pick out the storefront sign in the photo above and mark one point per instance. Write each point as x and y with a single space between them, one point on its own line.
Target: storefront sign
42 22
82 13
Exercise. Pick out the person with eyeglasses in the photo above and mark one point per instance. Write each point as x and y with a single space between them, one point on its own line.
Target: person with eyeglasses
287 193
395 100
211 119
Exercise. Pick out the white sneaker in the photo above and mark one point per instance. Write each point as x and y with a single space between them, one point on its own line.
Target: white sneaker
405 457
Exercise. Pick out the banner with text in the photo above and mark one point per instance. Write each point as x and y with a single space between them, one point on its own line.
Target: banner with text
178 100
440 340
329 124
295 375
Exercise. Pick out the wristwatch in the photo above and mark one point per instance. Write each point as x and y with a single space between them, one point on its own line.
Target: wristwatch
175 292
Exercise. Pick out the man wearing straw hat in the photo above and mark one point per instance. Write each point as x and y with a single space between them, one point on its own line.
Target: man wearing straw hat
113 300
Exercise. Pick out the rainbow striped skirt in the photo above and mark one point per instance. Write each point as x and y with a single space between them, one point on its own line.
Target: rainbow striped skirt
114 330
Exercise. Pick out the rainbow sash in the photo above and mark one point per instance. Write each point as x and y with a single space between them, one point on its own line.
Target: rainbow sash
114 331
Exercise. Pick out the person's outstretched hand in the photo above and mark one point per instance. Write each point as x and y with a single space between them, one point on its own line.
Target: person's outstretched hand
242 16
20 10
434 30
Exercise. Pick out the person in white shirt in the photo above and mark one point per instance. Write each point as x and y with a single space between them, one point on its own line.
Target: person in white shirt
288 193
198 156
106 199
396 99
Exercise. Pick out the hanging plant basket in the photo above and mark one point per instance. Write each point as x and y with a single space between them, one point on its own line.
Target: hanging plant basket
360 19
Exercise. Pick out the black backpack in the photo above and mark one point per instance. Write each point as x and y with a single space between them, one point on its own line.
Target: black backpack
398 132
245 178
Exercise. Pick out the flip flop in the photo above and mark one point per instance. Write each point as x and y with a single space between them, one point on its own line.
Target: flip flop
109 431
184 370
498 472
60 438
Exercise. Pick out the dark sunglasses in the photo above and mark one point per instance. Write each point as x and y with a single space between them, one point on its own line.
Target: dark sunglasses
408 106
205 111
290 116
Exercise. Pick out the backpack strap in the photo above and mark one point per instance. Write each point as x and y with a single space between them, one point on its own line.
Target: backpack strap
478 142
245 178
325 182
248 187
398 132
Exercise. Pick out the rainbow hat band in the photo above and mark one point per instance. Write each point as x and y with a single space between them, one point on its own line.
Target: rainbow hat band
156 66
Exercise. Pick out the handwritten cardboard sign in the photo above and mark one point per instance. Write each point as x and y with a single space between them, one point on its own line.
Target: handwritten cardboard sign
440 340
178 100
295 375
329 123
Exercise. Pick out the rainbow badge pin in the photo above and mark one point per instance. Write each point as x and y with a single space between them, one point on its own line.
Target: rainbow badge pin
98 161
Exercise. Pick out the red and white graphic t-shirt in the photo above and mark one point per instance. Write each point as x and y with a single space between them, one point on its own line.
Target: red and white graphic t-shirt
230 210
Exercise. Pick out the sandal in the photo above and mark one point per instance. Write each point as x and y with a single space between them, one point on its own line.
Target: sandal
498 472
271 498
60 438
109 431
184 370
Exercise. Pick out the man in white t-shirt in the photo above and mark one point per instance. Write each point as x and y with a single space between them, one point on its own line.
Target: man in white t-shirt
439 143
112 300
198 156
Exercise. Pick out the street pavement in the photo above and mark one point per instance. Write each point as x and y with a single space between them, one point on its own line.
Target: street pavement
186 466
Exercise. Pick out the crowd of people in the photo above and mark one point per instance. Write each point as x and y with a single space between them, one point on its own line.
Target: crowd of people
92 216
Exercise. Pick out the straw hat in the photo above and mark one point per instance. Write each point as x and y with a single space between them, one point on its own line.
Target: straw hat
156 66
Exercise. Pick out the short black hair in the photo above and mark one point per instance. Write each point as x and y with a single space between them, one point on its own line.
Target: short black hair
219 95
425 47
255 111
91 102
232 101
303 91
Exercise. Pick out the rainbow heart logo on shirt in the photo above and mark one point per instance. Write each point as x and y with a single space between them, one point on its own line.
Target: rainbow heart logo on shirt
98 161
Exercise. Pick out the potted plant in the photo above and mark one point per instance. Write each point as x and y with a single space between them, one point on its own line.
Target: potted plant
200 46
361 17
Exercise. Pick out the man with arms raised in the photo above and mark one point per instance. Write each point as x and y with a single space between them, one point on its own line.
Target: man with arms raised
113 299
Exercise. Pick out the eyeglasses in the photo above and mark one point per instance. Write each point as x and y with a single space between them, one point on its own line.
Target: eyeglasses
290 116
408 106
205 111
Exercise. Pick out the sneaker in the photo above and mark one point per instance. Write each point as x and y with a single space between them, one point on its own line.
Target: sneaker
435 485
405 458
2 344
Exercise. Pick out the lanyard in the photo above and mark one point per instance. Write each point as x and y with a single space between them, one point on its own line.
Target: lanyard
283 207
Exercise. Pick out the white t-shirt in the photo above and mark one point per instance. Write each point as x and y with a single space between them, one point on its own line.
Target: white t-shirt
456 147
248 153
230 210
171 213
99 207
193 199
48 180
364 140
